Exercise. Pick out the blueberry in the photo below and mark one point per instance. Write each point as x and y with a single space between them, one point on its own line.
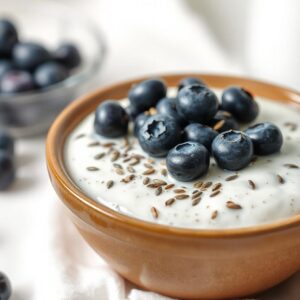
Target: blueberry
139 122
7 170
6 142
188 161
8 37
132 112
197 103
7 115
240 103
201 134
159 134
146 94
49 73
29 55
223 121
167 106
232 150
5 286
190 81
111 119
16 81
266 138
68 55
5 66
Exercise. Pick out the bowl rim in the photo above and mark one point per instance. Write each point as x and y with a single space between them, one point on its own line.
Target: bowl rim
77 76
58 170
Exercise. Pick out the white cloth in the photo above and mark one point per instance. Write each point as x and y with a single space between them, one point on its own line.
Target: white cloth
40 249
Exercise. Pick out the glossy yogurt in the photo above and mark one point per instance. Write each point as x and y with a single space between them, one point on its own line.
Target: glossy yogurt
118 174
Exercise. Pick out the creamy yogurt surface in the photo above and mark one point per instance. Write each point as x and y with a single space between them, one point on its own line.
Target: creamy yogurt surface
119 174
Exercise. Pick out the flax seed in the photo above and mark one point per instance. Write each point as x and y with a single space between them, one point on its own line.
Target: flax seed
108 145
179 191
119 171
214 194
130 169
219 125
169 202
149 172
206 185
115 155
128 178
232 177
79 136
181 196
196 201
148 166
94 144
198 184
92 169
154 212
134 162
280 179
214 215
109 184
146 180
158 191
216 186
232 205
169 186
291 166
99 156
196 195
252 184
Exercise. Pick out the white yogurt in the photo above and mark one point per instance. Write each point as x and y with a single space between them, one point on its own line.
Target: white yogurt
269 201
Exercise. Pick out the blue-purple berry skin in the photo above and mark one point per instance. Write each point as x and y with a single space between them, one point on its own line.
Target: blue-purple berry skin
240 103
15 81
29 55
197 104
188 161
8 37
266 137
159 134
7 143
232 150
201 134
7 170
68 55
49 73
111 119
146 94
190 81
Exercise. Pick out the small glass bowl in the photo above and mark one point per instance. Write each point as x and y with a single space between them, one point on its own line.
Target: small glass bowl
31 113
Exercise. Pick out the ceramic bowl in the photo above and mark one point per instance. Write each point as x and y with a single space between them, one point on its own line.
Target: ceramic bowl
183 263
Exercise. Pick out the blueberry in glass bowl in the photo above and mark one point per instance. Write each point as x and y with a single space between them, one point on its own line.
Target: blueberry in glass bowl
54 54
5 287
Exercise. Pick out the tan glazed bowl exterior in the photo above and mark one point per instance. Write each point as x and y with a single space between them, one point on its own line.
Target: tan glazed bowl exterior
183 263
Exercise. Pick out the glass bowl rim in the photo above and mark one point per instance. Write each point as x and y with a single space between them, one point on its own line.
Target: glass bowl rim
79 76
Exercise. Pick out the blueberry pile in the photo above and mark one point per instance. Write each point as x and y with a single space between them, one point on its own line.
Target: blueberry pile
191 127
5 287
7 168
26 66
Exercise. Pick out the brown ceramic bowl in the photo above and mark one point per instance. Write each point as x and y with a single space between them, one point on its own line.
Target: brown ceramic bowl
183 263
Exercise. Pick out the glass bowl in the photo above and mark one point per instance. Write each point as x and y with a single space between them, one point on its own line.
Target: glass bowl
31 113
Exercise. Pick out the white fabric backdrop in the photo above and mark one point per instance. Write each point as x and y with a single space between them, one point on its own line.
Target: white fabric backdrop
39 248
